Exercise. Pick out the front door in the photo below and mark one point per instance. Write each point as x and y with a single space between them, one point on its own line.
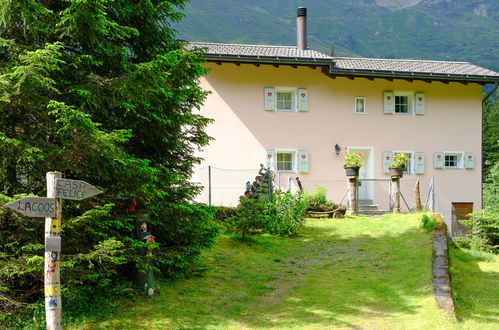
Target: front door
365 188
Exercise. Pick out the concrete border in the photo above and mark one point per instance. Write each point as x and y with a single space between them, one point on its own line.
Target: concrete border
440 271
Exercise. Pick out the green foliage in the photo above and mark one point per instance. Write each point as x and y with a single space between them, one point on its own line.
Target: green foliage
400 160
428 223
287 213
282 215
99 91
318 198
251 216
485 222
353 159
462 242
490 135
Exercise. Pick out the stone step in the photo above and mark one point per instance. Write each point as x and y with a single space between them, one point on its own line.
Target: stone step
372 212
372 207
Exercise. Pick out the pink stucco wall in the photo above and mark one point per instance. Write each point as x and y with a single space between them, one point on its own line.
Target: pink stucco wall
243 130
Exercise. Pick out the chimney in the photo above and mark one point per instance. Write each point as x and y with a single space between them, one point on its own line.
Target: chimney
301 28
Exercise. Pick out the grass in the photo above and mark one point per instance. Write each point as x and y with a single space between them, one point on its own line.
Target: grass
372 273
475 279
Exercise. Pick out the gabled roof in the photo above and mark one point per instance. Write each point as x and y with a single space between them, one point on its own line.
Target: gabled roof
422 69
346 66
261 54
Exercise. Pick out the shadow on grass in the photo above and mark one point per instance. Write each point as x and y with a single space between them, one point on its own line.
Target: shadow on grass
319 279
474 285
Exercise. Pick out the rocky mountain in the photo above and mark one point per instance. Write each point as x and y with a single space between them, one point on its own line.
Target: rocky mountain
456 30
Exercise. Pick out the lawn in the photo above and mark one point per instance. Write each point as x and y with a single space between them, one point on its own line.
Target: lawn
370 273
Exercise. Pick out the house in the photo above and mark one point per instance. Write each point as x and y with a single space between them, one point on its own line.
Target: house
298 111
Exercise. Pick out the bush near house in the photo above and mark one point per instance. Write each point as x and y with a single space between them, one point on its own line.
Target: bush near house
485 222
281 214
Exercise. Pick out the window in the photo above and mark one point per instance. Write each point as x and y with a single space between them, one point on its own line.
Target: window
401 104
360 105
285 161
453 160
284 99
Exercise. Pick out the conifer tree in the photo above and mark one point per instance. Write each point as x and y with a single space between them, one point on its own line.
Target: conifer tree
101 91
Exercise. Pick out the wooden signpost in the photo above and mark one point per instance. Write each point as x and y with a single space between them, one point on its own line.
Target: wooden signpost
50 208
37 207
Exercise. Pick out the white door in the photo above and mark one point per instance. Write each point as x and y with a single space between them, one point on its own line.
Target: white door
365 188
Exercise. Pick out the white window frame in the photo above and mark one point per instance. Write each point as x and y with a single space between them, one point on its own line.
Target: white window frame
409 169
294 101
358 98
294 164
410 102
460 160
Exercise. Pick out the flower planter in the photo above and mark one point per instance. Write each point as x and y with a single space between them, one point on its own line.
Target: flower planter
396 171
352 171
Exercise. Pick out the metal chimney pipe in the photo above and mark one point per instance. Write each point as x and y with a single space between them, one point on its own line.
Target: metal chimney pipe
301 28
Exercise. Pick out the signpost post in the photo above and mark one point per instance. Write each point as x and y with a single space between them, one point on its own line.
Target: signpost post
52 270
50 208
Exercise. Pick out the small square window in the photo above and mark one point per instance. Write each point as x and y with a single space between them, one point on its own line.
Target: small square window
451 161
401 104
360 105
285 161
285 100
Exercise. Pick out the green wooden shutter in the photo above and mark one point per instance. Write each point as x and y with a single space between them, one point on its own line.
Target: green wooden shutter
271 159
389 102
303 161
419 163
438 160
469 160
387 161
420 104
302 99
269 97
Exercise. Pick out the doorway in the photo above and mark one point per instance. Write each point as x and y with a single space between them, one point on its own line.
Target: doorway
365 189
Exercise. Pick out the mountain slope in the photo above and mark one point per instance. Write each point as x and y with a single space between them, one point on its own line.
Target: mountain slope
458 30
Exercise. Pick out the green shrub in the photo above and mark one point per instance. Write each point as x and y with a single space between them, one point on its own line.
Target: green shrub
462 242
428 223
485 222
250 217
318 198
287 213
282 215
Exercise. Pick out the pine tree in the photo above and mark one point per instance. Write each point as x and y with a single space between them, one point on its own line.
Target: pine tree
101 91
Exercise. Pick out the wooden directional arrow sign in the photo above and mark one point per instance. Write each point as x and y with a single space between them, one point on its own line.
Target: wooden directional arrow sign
74 189
39 207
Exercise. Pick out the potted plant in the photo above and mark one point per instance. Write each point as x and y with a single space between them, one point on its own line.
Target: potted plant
399 163
353 162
